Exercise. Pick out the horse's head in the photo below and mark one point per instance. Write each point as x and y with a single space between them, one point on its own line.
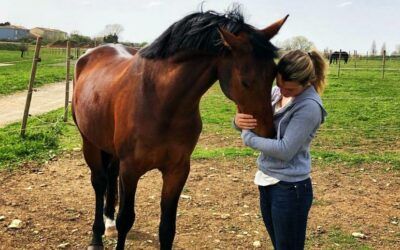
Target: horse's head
246 73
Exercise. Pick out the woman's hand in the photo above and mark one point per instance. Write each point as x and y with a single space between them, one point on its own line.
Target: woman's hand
245 121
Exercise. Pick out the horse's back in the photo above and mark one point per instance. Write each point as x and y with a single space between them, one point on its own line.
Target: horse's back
101 54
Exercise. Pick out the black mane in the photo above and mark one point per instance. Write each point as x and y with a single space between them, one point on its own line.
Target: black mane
199 32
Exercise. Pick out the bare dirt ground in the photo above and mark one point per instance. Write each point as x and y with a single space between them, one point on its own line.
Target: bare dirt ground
219 209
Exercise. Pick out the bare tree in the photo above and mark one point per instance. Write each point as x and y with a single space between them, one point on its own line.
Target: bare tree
383 48
326 52
373 48
112 29
396 50
297 42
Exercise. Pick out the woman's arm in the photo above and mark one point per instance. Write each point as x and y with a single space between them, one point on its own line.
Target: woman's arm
244 121
301 125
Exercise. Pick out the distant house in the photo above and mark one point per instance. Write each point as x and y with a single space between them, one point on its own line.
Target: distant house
49 34
13 32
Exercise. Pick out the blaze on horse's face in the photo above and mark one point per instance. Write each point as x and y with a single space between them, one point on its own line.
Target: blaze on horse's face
247 79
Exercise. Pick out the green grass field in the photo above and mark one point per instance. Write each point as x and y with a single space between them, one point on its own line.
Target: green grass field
16 76
363 125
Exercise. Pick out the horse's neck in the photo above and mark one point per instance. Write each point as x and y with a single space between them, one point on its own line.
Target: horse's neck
183 83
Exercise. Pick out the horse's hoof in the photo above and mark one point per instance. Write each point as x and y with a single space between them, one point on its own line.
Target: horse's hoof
111 232
91 247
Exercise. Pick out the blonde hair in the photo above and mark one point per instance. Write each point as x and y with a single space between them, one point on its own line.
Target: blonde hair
304 68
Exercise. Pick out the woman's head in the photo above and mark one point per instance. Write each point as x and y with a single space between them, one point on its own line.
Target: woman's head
298 69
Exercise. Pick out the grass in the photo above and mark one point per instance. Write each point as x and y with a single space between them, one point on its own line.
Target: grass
363 125
227 152
47 136
336 239
16 76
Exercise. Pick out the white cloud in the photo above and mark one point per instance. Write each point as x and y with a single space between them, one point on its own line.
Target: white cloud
153 4
344 4
87 2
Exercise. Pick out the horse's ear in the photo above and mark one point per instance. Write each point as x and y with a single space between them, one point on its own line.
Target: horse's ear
274 28
230 40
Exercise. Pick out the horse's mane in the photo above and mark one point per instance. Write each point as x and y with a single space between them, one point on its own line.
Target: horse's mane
199 32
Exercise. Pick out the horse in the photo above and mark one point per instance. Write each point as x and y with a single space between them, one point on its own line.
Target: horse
139 110
338 55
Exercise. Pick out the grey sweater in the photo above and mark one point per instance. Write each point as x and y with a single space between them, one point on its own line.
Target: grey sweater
287 157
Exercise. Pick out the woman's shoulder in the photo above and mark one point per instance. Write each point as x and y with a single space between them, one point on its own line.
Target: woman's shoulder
310 109
308 104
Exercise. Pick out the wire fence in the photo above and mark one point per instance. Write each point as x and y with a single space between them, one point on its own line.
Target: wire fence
358 61
348 61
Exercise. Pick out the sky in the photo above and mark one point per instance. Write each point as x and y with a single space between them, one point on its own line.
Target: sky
335 24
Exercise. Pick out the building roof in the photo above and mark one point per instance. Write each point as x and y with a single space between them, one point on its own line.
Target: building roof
48 29
13 27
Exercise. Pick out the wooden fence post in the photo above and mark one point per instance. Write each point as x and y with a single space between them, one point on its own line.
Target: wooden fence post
355 59
340 58
68 57
383 63
36 59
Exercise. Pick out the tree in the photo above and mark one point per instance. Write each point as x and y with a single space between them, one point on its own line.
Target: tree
297 42
373 48
75 32
326 52
143 44
111 38
383 48
79 39
112 29
396 50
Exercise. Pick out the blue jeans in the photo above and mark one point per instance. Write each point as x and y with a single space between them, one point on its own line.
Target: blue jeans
284 208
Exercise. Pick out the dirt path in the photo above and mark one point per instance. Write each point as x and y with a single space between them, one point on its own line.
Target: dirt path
44 99
219 209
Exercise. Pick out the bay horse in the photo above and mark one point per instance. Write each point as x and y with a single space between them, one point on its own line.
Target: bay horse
139 110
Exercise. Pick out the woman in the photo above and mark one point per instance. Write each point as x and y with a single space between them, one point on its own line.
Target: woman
285 163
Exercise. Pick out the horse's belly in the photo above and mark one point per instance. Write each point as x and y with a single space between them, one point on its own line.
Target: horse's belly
162 156
94 119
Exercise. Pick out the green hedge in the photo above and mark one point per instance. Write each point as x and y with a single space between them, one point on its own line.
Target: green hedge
11 46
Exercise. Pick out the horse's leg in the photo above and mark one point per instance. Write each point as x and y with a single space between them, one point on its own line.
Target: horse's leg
111 198
173 181
128 180
97 161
